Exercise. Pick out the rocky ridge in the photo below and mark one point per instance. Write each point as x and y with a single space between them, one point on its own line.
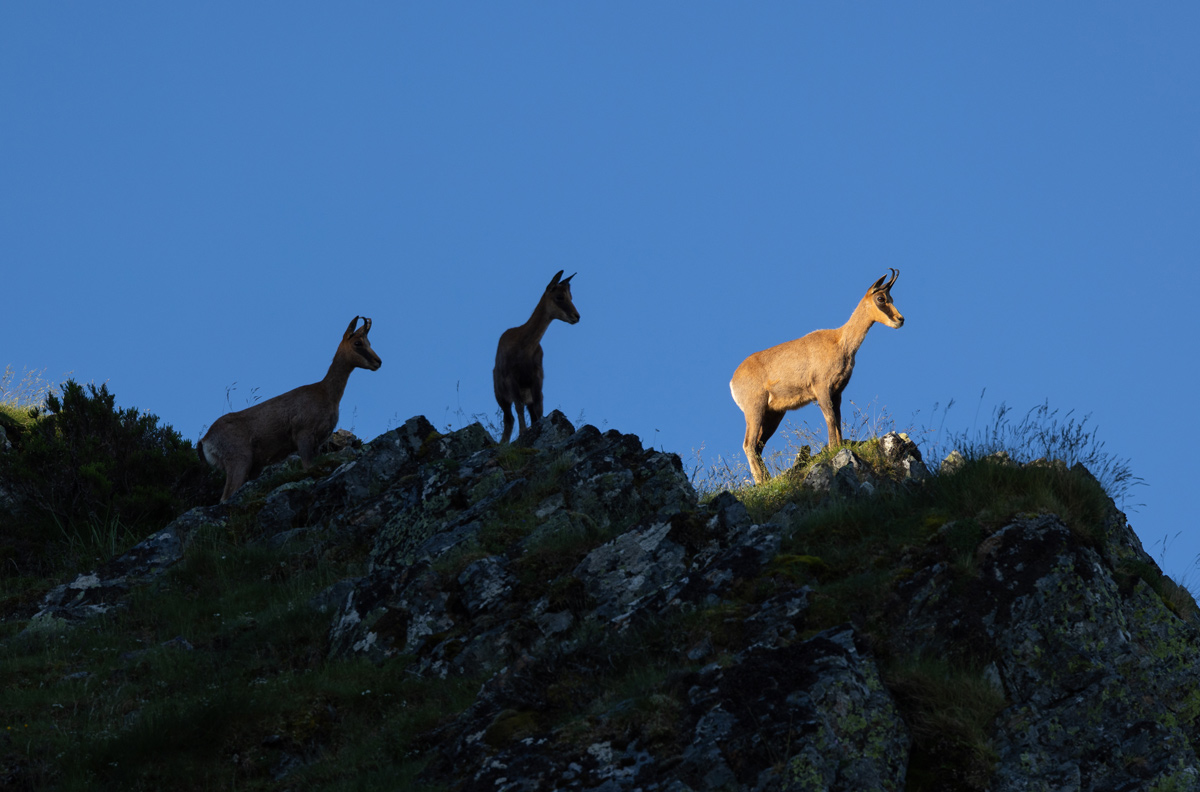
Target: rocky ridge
627 637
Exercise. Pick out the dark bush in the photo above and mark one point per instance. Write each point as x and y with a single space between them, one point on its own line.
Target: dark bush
85 461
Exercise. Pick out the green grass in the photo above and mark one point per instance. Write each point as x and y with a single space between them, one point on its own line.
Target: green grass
949 709
146 713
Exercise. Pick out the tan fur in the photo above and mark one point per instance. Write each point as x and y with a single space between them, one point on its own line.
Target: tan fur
299 421
518 374
816 368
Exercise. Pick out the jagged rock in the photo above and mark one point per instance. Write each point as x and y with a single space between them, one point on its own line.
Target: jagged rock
97 592
383 616
485 583
729 513
631 566
528 571
339 441
904 456
281 508
1103 681
952 463
342 493
811 715
820 698
843 475
727 559
552 431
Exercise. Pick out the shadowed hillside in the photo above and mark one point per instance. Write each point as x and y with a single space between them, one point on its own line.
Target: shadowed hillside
435 611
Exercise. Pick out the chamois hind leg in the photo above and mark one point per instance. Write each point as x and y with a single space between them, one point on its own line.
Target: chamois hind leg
831 408
508 420
770 422
753 444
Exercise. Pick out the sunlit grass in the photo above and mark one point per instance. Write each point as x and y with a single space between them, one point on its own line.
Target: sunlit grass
794 449
25 391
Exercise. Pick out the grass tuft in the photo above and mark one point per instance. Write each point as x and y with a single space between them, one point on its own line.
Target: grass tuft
949 710
1045 434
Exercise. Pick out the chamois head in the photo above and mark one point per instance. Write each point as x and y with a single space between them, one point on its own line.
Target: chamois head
557 299
355 347
879 300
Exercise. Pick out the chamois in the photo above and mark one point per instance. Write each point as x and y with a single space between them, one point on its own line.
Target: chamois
816 368
517 376
242 443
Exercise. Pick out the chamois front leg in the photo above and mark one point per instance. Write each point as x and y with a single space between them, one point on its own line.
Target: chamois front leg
831 407
237 470
535 407
306 447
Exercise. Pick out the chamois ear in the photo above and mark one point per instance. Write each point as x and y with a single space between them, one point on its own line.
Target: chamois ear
350 330
554 280
877 285
565 281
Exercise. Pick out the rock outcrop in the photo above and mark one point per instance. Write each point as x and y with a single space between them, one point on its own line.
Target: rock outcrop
627 637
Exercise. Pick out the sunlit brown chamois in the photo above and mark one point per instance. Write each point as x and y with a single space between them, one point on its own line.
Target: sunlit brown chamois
517 376
242 443
816 368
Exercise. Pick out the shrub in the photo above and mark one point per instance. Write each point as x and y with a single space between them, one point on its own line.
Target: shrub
83 461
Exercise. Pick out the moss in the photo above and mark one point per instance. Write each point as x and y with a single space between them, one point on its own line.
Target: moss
798 569
509 726
427 443
1182 780
485 486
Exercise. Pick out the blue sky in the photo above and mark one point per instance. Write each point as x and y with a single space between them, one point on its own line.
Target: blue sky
199 196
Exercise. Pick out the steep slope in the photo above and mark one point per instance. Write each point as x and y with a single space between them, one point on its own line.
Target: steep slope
883 629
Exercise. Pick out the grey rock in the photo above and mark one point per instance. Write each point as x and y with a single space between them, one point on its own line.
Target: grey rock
95 593
333 598
952 463
485 583
1071 649
552 431
283 505
842 475
633 565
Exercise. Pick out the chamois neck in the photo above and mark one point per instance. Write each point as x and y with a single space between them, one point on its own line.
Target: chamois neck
854 332
336 378
536 326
